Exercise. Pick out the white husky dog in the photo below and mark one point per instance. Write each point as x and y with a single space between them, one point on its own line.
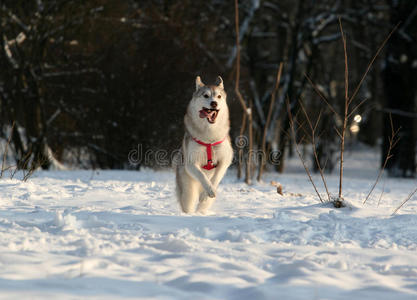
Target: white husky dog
206 151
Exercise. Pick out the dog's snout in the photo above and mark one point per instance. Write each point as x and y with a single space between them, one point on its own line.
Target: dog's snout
213 104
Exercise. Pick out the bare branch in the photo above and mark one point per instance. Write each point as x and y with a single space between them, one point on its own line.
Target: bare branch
346 64
238 94
372 62
313 142
337 131
392 142
399 112
405 201
299 153
314 86
243 29
318 120
356 107
307 117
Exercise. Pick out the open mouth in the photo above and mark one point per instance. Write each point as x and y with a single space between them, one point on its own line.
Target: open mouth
210 114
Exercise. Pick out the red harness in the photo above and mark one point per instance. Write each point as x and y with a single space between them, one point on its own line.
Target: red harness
209 165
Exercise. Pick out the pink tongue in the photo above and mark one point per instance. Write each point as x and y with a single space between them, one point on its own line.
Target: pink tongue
206 114
203 113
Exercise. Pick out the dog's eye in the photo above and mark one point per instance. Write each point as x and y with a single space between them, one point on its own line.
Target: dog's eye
219 96
206 96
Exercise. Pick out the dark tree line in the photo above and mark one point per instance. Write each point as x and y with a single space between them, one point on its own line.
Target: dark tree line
88 81
400 78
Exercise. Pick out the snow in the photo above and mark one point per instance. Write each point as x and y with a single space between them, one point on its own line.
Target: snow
119 234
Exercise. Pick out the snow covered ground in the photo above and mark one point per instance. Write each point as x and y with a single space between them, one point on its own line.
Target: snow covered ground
119 234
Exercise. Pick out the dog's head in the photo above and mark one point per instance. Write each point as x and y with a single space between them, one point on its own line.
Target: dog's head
209 101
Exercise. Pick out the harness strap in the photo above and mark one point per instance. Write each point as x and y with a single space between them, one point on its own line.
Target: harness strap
209 164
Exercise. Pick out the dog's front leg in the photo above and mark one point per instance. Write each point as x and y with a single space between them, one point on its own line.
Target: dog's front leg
197 174
204 202
221 169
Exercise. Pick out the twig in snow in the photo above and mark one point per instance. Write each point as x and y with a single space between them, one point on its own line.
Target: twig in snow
408 198
278 186
382 193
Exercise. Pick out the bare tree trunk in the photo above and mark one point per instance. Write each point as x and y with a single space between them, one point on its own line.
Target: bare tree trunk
36 123
400 79
241 144
245 109
249 162
268 119
292 68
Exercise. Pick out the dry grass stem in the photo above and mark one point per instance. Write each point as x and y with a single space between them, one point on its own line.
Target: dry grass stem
382 193
313 142
393 140
292 127
404 202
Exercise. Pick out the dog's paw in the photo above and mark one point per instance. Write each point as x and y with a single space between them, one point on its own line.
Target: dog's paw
210 192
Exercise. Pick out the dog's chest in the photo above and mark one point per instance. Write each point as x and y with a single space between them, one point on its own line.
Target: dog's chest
201 154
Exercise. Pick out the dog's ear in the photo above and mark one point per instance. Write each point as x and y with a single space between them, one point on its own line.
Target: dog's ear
198 83
220 82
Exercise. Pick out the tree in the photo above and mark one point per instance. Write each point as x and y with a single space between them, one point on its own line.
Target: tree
400 78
